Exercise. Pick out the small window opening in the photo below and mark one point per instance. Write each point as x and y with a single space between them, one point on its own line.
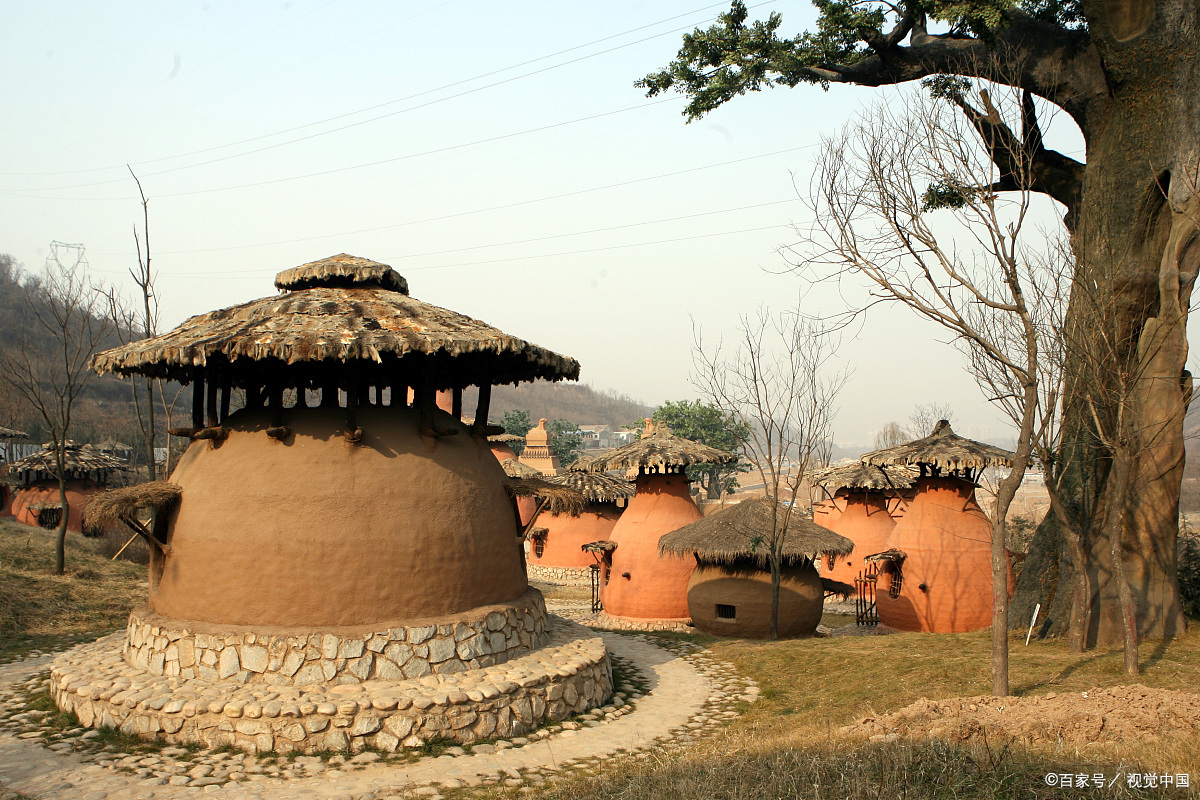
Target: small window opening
726 612
539 546
48 518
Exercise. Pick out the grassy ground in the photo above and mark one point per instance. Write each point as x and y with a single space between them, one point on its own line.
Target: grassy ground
39 609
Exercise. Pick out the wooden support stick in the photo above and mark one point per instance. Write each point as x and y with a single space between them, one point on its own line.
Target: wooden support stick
456 402
275 390
481 412
211 415
198 398
226 390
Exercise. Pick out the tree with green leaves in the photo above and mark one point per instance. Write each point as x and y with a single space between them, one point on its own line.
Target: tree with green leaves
1127 72
704 423
517 423
566 440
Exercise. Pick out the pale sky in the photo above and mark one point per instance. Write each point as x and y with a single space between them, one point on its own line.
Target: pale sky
495 154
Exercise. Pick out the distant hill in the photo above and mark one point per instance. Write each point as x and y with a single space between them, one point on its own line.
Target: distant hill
576 402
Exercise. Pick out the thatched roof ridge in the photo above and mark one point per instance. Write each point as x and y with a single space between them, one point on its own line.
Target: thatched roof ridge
80 460
337 318
122 504
657 451
863 477
595 486
341 270
557 500
506 438
944 449
9 433
741 531
516 469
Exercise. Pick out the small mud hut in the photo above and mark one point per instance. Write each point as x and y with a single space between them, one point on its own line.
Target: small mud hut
330 532
861 493
36 499
557 554
937 576
640 586
729 593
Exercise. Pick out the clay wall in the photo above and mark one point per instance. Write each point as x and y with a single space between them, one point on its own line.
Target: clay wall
747 590
566 535
866 522
78 493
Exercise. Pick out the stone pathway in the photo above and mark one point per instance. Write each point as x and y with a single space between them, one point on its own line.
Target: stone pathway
686 692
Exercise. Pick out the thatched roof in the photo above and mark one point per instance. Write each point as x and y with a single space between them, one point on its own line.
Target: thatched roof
558 500
658 450
863 477
345 309
81 461
834 588
119 505
515 469
9 433
595 486
943 449
506 437
602 546
742 531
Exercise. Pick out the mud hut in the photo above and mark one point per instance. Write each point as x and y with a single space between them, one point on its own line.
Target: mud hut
557 554
937 576
642 588
729 592
36 499
537 452
329 531
861 494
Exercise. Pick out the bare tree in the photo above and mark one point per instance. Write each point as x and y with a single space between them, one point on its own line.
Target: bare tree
65 323
926 415
891 435
779 385
913 201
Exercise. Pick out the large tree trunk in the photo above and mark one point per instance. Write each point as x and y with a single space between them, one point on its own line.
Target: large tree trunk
1136 246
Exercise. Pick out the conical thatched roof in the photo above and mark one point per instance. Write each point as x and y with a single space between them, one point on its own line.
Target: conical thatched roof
341 308
595 486
658 450
81 461
944 449
9 433
515 469
743 531
863 477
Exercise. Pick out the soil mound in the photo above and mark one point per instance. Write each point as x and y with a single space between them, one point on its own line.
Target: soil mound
1098 716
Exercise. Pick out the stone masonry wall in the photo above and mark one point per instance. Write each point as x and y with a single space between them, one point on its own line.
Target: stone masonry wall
565 576
492 635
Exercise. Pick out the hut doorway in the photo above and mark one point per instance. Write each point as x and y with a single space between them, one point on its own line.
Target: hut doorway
866 612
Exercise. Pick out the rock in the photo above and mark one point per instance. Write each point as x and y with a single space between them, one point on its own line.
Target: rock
229 664
254 658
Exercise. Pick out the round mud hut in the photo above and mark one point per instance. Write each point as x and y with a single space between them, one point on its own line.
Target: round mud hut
937 575
729 593
640 588
862 494
331 535
557 553
36 499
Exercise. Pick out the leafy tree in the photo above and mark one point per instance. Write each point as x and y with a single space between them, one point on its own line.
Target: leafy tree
704 423
1128 73
566 440
517 423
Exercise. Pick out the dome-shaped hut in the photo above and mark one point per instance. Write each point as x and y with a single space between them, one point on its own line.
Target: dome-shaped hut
729 592
328 531
37 500
862 493
937 575
557 554
640 586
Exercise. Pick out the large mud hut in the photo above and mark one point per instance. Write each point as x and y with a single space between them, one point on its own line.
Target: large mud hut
862 494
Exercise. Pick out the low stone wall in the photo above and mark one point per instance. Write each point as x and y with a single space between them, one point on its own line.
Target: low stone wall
486 636
564 576
568 675
608 622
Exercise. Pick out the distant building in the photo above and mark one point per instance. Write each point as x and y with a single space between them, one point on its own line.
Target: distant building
604 437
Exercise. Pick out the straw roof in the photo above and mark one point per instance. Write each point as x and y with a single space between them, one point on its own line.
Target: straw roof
506 437
658 450
119 505
9 433
341 308
81 461
944 449
515 469
742 531
864 477
556 500
595 486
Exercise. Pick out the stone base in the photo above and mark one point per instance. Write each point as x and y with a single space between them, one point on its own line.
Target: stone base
482 637
562 576
570 674
608 622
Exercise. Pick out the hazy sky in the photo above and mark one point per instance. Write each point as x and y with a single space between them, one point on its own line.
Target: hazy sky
495 154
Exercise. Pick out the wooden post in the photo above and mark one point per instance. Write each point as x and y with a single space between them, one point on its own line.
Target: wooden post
254 396
329 390
275 391
226 390
456 402
211 391
481 411
198 398
425 398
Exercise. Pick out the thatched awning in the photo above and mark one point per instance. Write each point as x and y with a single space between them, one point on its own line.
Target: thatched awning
346 309
80 461
595 486
9 433
505 438
943 449
886 555
658 450
557 500
515 469
120 505
834 588
602 546
743 531
863 477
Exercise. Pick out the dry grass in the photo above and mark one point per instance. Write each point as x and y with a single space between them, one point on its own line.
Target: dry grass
39 609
